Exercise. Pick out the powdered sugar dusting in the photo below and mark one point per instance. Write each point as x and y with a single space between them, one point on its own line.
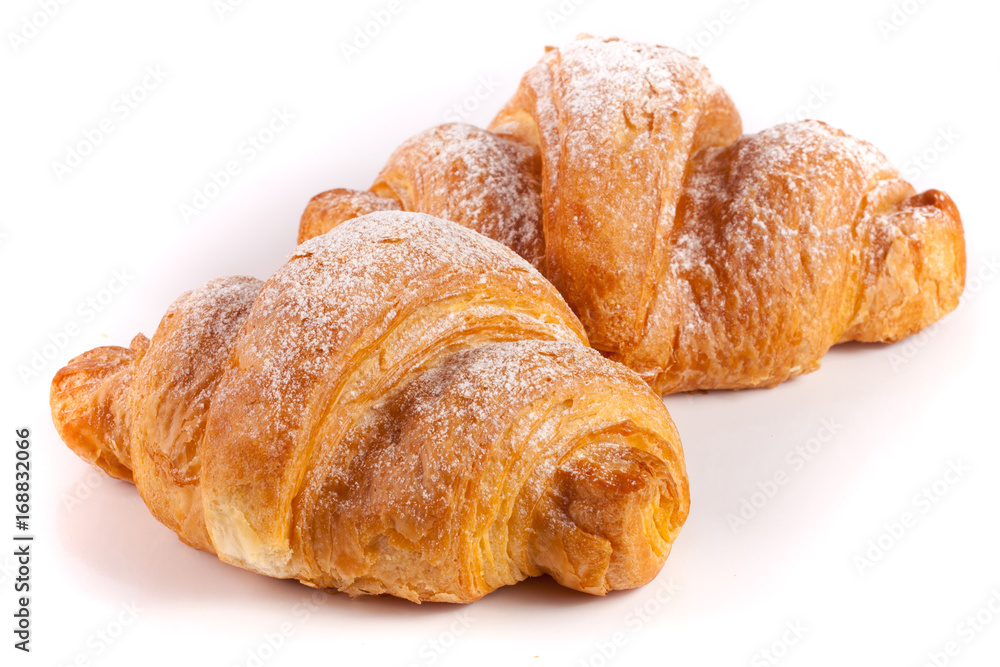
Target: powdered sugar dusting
765 253
197 334
355 200
338 288
616 123
456 461
215 312
474 178
177 377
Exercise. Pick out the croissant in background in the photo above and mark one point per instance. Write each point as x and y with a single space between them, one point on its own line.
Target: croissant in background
405 407
700 257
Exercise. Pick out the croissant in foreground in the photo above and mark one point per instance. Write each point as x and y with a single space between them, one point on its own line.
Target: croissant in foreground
405 407
700 257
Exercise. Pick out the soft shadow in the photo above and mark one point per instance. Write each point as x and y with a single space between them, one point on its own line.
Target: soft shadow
543 592
121 549
736 441
122 552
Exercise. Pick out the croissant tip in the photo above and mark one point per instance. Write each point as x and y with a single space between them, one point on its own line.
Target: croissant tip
86 401
610 518
936 199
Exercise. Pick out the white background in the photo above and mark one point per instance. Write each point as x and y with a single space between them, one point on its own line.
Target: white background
903 413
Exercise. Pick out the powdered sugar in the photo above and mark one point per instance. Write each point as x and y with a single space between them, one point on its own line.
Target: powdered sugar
475 178
765 254
616 123
339 288
215 311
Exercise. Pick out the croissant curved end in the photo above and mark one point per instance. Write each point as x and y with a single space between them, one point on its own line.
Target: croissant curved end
920 274
608 520
943 242
87 398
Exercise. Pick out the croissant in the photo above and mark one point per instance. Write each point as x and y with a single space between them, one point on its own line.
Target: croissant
699 257
405 407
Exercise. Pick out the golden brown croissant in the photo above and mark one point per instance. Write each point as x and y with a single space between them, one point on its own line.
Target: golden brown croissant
405 407
701 258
